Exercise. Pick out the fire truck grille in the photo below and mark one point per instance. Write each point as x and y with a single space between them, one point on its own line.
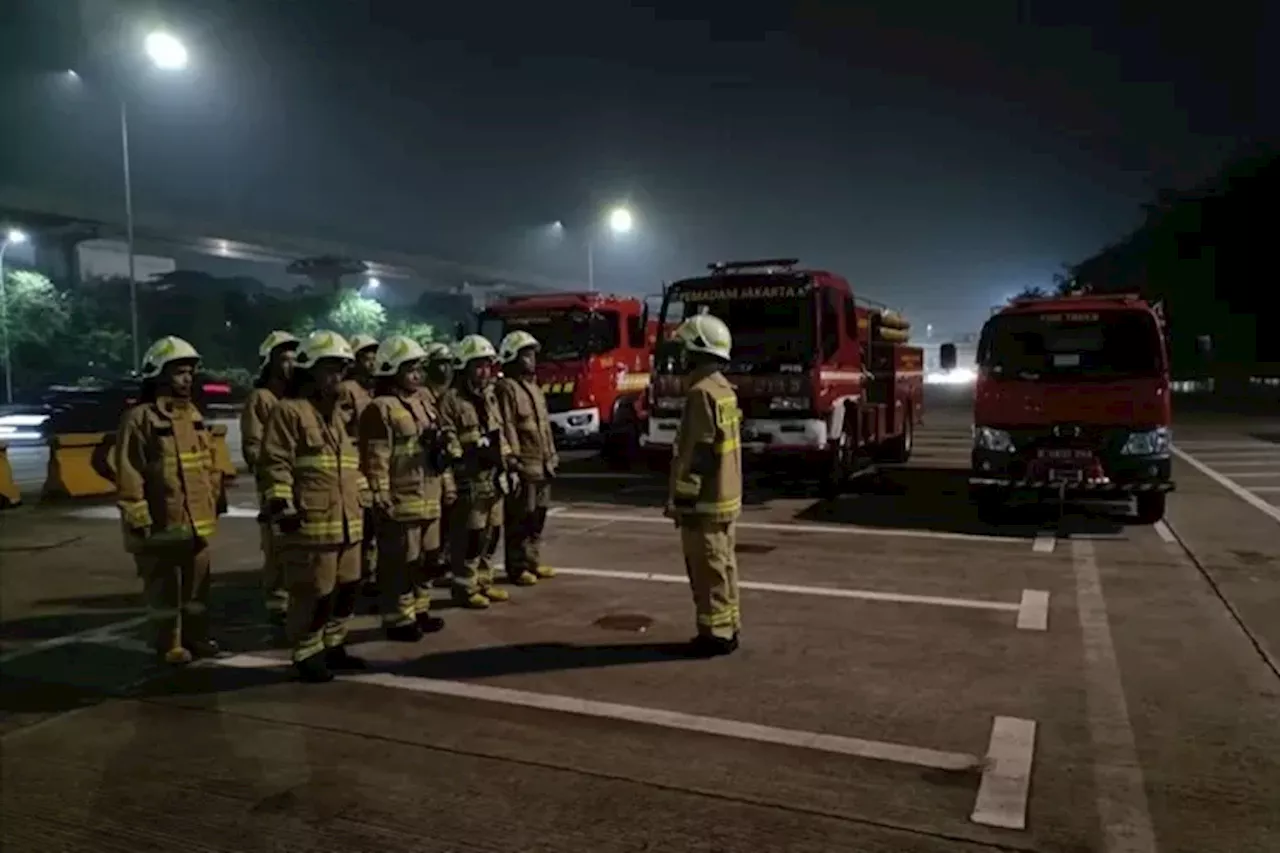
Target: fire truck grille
559 402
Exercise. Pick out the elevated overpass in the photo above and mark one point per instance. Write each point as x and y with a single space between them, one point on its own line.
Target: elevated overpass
72 221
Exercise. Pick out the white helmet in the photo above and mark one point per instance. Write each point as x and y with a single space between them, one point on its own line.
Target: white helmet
514 342
394 352
166 351
323 344
359 343
439 352
705 333
473 347
269 344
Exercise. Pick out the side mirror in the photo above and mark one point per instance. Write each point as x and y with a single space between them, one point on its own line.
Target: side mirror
947 356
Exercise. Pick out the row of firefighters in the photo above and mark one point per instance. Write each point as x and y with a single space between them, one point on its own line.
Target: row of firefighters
383 457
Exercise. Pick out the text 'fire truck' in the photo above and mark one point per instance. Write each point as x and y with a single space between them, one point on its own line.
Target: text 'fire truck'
593 365
827 383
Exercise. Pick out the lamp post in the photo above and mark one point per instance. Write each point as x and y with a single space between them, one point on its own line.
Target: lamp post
619 221
12 237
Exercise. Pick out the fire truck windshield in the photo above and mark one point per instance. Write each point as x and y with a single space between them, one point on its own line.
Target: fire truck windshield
564 335
1084 345
772 325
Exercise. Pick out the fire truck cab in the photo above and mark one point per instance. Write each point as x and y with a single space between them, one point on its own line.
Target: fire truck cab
593 364
826 382
1072 402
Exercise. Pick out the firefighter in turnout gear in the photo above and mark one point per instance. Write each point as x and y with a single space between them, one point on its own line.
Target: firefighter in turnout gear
168 491
311 483
476 438
356 393
275 366
705 496
524 409
437 377
403 458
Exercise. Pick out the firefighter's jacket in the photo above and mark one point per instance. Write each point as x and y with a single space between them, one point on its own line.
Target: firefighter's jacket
309 474
403 456
353 395
253 423
706 473
524 409
166 480
476 440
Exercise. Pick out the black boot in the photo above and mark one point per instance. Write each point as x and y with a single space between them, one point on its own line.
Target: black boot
314 669
704 646
429 624
406 633
338 659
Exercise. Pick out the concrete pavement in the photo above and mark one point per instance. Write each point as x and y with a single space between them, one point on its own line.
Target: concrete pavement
910 680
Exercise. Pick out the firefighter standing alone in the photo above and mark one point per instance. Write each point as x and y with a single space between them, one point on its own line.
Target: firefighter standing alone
705 496
310 476
476 439
168 490
356 393
275 366
524 409
402 455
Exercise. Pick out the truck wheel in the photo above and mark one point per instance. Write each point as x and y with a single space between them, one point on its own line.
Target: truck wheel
899 450
990 504
1151 507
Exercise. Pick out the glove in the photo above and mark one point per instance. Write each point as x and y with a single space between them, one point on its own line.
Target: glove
512 463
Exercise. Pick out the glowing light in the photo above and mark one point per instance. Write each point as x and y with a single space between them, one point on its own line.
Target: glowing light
620 220
165 51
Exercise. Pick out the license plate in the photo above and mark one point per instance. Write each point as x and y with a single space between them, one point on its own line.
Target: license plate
1065 453
1067 475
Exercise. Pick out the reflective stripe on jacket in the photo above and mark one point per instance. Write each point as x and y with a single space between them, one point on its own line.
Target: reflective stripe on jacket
706 473
524 409
310 466
166 480
475 438
396 433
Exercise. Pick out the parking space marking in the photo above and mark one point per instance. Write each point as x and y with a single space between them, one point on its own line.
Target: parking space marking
1045 542
1119 787
857 747
111 513
1163 531
1032 610
1235 488
850 530
92 635
1006 775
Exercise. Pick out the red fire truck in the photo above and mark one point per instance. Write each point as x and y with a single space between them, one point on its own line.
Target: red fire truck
1072 401
593 366
827 383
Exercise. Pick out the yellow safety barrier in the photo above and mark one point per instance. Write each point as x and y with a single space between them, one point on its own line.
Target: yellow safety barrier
9 494
221 453
81 465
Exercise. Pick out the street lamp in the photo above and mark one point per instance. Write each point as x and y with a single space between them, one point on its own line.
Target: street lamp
620 221
11 238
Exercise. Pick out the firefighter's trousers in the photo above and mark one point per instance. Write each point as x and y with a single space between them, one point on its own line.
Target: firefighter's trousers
525 517
175 578
408 553
324 581
274 593
471 558
713 575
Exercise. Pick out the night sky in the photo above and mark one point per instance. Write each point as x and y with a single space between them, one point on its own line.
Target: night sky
940 154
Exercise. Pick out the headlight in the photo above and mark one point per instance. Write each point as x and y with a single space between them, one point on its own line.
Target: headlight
996 440
669 403
1151 443
789 404
578 420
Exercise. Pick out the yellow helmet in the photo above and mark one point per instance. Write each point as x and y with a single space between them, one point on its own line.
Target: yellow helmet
322 344
705 333
394 352
473 347
360 343
269 344
514 342
166 351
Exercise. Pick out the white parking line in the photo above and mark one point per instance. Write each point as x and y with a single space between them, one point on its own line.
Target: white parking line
1163 531
857 747
849 530
1235 489
109 512
1119 788
1032 610
1045 542
92 635
1006 777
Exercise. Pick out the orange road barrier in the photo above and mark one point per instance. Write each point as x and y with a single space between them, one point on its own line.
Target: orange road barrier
81 465
9 494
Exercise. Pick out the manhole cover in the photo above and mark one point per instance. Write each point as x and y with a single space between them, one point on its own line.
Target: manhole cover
748 548
636 622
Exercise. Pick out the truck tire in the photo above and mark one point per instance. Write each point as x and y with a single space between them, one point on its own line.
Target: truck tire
899 450
1151 507
990 504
